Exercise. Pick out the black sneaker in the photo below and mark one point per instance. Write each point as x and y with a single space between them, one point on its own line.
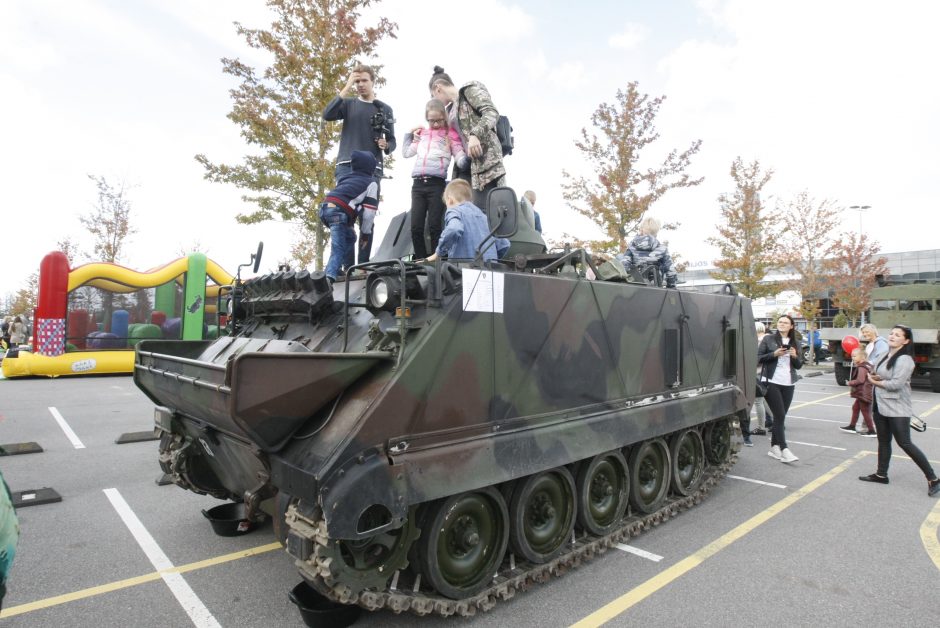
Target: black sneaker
848 428
877 479
933 488
759 432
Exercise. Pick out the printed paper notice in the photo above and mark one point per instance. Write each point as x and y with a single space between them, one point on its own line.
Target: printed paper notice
482 291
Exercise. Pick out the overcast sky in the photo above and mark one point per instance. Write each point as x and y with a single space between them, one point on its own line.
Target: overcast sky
835 96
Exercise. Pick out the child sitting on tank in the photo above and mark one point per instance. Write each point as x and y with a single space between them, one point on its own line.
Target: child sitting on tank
465 227
354 195
646 250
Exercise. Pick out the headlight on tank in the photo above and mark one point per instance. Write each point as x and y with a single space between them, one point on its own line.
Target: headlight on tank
383 292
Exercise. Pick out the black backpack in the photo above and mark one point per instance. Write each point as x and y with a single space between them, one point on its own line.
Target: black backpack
503 130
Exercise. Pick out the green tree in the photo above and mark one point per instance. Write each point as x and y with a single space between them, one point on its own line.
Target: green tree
852 268
747 235
313 45
622 189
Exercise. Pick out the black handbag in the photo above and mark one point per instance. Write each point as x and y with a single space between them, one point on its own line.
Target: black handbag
761 386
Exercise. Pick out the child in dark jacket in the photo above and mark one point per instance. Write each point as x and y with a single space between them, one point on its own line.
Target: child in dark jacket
354 195
861 392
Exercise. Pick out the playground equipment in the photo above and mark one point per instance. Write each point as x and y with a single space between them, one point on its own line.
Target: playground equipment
75 341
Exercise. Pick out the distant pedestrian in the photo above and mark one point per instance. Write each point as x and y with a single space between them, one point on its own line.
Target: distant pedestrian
892 408
780 356
17 332
861 390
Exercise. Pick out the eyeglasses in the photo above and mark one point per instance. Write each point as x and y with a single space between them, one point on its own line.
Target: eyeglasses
433 121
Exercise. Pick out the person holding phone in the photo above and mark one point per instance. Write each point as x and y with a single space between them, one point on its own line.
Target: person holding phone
779 354
891 406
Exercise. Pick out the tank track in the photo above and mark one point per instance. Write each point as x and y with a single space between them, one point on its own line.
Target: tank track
512 578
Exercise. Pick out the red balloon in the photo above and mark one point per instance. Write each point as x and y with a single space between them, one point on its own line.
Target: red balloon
849 344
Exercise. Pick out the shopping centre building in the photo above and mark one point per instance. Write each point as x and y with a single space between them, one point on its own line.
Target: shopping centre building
908 267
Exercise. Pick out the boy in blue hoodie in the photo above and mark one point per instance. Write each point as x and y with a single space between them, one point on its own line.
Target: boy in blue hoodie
354 196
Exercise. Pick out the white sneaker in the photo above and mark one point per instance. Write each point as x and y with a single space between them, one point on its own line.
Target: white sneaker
774 452
787 456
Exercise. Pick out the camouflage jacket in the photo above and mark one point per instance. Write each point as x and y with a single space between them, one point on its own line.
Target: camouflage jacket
477 115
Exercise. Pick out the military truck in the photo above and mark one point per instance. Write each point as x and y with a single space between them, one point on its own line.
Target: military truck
896 301
435 437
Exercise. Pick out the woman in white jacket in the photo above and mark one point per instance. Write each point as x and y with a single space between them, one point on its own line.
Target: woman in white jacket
891 406
434 146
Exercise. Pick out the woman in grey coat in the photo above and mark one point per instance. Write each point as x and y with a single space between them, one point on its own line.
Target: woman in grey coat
891 405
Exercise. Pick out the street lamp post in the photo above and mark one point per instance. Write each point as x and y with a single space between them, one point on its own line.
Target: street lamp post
860 209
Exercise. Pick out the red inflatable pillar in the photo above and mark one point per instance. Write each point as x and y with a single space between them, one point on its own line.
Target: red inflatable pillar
49 326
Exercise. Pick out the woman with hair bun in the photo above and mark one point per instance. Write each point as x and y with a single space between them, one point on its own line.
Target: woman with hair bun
891 405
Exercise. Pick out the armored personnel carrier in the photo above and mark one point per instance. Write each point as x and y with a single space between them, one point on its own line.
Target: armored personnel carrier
436 437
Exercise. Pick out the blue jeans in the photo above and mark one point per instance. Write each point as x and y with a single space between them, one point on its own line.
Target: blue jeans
342 239
365 252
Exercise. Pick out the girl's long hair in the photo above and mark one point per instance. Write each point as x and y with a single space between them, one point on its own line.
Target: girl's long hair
906 349
794 339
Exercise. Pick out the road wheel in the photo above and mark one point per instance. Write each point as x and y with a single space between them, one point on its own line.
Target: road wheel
649 475
935 380
602 493
841 374
718 441
687 453
463 541
542 514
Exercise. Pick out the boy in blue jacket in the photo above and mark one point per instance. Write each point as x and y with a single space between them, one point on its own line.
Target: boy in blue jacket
465 227
355 195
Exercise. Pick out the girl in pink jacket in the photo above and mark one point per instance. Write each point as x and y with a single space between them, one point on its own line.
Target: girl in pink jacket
434 146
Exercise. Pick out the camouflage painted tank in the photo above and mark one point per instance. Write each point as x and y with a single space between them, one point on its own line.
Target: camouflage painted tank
418 428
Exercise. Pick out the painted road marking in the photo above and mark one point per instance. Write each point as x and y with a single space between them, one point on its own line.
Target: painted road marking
654 584
810 403
928 534
738 477
821 446
181 590
65 428
133 582
638 552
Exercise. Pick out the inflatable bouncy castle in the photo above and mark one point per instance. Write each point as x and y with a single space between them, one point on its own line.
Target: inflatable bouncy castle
89 318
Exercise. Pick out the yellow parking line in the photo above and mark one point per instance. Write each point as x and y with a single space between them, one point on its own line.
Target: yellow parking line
928 534
815 401
132 582
929 412
654 584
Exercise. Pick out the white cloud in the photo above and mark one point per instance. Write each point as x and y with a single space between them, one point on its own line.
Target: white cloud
629 38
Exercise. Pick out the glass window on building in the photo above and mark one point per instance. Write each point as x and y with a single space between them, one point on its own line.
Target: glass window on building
885 305
914 305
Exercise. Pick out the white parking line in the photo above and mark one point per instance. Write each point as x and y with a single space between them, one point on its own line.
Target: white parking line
637 551
820 446
187 598
65 428
738 477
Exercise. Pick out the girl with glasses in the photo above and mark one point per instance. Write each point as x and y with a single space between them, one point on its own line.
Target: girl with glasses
434 146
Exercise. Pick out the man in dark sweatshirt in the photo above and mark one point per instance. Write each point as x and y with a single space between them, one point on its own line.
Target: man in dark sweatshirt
354 197
369 125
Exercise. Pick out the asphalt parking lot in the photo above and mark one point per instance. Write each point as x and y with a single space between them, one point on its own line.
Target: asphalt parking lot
775 544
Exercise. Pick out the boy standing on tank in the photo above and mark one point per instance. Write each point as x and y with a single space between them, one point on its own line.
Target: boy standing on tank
465 227
353 197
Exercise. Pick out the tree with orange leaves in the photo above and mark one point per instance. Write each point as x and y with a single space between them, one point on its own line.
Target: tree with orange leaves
622 191
852 268
313 46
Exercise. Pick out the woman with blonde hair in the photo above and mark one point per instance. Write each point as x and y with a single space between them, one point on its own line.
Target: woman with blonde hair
877 346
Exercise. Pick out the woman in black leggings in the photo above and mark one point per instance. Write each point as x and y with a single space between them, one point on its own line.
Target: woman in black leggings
891 403
779 357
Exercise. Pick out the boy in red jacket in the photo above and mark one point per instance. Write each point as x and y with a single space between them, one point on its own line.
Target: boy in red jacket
861 392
